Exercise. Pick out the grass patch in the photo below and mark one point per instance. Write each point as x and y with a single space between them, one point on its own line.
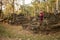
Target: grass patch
4 32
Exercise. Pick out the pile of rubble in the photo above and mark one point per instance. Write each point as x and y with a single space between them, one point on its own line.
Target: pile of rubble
18 19
34 23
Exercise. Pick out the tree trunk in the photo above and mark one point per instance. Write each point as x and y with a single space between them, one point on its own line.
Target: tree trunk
57 5
0 8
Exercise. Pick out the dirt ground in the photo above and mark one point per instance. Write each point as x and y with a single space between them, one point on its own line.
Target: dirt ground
20 34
